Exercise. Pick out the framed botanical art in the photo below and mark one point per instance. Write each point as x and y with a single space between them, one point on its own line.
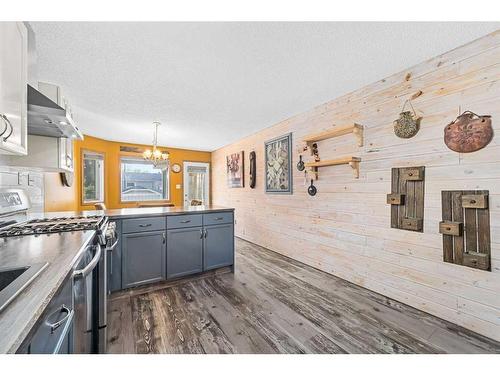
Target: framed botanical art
278 152
235 170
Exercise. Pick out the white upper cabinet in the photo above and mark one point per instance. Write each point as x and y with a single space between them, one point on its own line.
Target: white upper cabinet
13 88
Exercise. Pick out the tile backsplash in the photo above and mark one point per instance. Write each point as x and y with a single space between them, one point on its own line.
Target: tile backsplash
29 180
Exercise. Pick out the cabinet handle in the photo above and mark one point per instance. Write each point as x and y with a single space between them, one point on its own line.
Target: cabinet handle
7 121
206 233
218 218
56 325
201 233
185 221
144 225
164 237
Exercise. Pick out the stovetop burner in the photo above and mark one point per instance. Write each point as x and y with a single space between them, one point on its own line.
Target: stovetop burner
53 225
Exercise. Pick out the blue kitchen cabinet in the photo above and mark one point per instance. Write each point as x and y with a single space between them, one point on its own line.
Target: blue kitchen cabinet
143 258
184 251
218 246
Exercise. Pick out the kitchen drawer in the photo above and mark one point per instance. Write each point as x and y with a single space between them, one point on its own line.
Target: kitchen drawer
53 334
218 218
144 224
184 221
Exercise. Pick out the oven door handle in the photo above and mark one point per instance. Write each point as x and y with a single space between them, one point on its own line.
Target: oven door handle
90 267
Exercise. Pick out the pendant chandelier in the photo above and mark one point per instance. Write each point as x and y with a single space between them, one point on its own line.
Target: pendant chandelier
155 156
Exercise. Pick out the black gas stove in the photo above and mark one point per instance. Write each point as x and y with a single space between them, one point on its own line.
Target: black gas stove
53 225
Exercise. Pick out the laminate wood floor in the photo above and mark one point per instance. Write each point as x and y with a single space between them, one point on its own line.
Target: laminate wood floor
273 304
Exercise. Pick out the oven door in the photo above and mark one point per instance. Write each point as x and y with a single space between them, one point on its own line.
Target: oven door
83 291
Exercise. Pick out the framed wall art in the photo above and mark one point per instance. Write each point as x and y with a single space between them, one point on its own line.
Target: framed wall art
278 152
235 170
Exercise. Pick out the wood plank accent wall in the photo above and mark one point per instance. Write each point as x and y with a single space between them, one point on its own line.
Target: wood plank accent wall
345 229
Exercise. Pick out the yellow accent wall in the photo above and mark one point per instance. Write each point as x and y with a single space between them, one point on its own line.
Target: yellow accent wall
59 198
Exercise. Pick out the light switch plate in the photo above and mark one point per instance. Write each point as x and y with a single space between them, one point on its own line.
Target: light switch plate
178 186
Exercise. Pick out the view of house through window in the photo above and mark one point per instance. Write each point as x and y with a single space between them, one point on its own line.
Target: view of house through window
141 181
93 177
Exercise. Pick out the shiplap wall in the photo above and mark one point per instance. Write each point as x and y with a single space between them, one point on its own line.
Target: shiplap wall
345 229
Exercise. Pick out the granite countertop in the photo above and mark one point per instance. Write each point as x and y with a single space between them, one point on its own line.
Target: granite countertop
123 213
160 211
61 251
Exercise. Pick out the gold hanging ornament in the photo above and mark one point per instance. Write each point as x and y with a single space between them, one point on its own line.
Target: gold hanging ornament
408 123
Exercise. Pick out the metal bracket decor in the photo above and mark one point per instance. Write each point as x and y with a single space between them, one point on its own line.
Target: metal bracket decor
253 169
407 198
466 228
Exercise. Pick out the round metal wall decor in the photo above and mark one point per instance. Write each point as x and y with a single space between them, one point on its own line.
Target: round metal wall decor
468 132
300 164
311 190
408 123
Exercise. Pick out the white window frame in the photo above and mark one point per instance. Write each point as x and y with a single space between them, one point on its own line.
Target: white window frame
166 182
93 155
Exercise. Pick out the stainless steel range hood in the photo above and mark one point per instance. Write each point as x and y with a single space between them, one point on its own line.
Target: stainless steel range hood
47 118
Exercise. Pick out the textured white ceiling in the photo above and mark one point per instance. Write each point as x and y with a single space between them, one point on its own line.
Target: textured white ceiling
212 83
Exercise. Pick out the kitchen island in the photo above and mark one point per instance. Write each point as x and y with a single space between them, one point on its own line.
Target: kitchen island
152 245
160 243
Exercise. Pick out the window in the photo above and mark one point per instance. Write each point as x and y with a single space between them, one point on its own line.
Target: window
141 181
93 177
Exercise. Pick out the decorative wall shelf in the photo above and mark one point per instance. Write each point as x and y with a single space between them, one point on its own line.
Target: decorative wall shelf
337 131
407 198
352 161
466 228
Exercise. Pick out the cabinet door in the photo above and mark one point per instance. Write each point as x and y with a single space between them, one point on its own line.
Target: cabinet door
218 247
184 251
115 262
13 88
143 258
66 154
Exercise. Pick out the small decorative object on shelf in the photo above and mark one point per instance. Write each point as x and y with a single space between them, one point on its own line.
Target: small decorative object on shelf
407 198
408 123
466 228
253 170
468 132
315 152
